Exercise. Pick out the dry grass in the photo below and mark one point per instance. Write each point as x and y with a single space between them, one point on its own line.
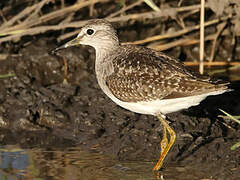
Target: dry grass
39 17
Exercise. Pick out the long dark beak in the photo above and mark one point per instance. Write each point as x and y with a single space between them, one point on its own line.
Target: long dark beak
73 42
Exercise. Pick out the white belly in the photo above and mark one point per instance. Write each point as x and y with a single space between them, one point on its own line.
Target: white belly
164 106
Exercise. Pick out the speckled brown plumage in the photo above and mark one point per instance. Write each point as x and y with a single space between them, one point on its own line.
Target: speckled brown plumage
141 74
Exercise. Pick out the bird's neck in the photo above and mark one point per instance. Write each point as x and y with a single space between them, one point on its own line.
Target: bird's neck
103 63
106 52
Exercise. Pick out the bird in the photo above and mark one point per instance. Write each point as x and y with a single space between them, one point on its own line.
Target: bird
143 80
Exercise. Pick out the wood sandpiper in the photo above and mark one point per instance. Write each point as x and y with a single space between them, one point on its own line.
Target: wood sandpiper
143 80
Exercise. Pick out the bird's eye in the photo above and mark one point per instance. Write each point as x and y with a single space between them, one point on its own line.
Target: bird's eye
90 31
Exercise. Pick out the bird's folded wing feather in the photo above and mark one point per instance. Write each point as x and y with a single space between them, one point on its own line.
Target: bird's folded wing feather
140 76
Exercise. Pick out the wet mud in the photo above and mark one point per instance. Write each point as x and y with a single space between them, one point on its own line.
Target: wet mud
39 109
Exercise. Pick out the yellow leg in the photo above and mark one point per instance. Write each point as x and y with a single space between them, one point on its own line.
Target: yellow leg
164 141
165 145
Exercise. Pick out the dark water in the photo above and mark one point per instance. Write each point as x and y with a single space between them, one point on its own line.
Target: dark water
74 164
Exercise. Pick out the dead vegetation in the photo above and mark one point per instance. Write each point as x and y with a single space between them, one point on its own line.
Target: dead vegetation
180 21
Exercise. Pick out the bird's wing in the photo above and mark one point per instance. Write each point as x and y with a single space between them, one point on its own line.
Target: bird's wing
143 76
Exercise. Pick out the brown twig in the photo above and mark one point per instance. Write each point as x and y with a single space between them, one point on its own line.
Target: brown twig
194 11
91 8
201 53
2 16
181 18
62 3
217 63
180 42
68 35
220 28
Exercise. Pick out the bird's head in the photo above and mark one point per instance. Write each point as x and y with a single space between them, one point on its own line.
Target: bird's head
97 33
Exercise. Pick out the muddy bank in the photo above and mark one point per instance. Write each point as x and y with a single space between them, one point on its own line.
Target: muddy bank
38 109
